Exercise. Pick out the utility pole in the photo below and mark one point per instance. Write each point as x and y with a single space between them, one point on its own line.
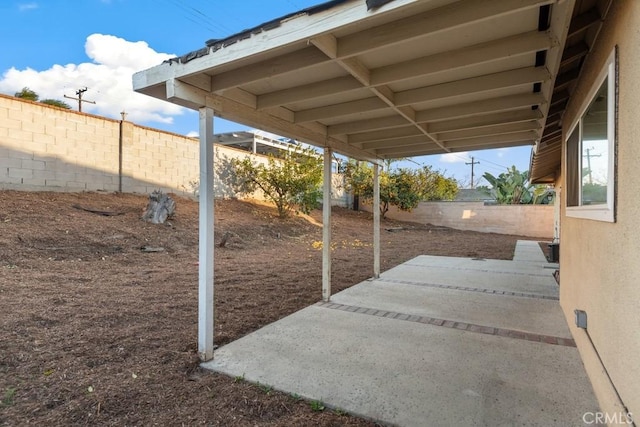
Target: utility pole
472 163
79 92
589 156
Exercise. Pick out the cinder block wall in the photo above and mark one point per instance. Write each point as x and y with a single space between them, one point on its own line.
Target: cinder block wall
522 220
48 148
44 148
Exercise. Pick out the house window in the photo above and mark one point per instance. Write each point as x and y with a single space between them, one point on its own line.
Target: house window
590 160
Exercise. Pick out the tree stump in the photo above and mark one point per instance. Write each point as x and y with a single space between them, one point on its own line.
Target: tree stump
161 206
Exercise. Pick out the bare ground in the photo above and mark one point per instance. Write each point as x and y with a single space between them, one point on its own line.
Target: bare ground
94 330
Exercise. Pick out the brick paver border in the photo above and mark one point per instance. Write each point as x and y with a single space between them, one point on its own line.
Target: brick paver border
463 326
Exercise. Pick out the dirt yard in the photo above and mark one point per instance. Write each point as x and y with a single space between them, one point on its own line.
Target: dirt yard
95 330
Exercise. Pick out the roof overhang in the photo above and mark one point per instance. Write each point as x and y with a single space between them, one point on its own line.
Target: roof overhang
407 78
586 23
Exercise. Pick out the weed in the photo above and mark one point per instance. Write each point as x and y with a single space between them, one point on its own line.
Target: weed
9 395
296 396
317 406
193 187
239 379
339 412
265 388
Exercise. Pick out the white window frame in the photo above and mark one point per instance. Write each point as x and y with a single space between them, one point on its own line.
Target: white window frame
603 212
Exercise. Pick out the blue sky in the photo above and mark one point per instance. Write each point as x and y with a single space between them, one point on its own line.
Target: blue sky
58 46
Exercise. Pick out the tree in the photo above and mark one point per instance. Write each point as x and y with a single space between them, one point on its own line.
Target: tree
27 94
404 188
30 95
291 181
56 103
359 179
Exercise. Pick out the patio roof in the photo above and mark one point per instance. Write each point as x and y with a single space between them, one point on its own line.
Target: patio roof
389 79
384 79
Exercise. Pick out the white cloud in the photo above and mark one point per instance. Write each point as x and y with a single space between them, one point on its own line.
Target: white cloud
27 6
107 77
115 52
193 134
502 152
455 157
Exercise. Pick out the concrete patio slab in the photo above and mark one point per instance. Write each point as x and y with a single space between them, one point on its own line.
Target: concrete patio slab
540 316
511 276
529 251
415 354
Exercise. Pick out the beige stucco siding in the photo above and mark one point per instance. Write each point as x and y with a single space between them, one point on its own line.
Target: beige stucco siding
600 261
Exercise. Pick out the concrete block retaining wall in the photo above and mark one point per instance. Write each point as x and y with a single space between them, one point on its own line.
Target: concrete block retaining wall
522 220
44 148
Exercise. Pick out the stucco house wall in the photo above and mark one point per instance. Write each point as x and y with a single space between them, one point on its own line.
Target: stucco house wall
600 261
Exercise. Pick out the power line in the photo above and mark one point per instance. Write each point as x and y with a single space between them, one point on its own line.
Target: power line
499 168
198 17
493 163
493 167
484 160
224 14
196 14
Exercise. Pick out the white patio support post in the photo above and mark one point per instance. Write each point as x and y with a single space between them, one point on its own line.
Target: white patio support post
376 221
205 284
326 227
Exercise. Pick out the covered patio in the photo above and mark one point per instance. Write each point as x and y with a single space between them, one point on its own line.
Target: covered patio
384 79
387 79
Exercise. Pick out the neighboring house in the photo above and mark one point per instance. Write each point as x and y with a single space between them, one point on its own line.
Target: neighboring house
267 144
255 141
473 195
389 79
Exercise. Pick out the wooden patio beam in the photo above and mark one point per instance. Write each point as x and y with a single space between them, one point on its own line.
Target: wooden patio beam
505 103
484 120
433 21
520 44
489 130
